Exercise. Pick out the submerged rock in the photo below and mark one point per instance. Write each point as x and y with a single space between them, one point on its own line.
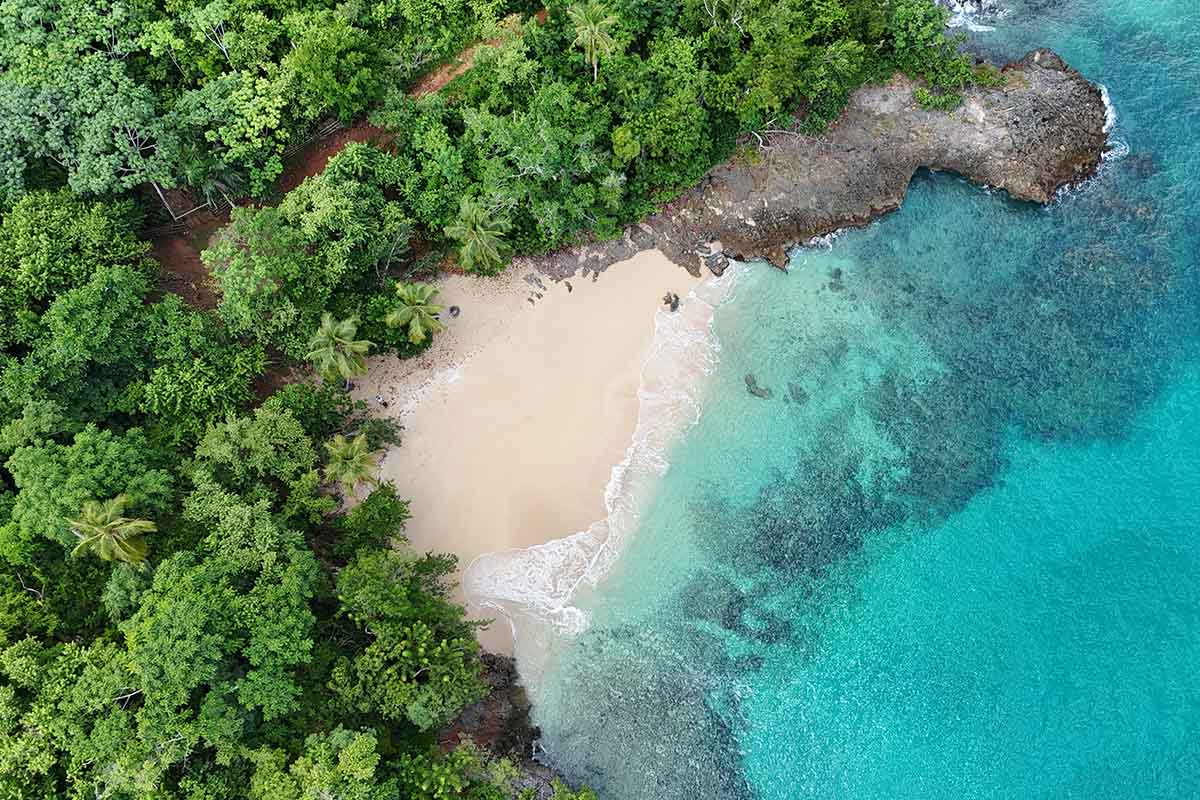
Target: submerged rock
635 719
756 390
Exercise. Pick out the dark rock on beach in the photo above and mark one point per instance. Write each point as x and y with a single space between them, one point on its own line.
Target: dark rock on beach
501 723
1042 129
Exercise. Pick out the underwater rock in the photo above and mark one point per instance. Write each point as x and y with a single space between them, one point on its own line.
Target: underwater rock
758 391
1141 165
713 598
802 522
948 436
652 734
797 393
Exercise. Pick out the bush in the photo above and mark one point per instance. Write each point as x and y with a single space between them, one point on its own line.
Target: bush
937 100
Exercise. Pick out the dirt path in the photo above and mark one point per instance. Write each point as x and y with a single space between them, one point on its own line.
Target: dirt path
435 81
177 247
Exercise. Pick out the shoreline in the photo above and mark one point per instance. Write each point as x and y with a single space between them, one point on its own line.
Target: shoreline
526 562
740 210
533 587
1043 129
518 412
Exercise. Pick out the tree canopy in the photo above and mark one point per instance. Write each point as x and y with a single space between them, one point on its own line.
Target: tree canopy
187 609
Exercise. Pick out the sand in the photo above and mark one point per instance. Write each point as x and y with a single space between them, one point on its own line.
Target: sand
517 414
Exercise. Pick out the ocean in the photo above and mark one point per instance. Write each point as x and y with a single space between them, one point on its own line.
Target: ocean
949 546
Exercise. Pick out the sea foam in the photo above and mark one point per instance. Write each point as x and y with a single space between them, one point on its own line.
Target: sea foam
1117 148
965 13
534 587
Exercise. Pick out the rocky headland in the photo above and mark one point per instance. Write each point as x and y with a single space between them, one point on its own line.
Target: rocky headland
1041 129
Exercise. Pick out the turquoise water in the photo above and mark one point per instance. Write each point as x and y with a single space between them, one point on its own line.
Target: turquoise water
957 552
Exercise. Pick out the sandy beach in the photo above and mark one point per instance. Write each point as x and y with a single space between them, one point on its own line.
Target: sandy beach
517 414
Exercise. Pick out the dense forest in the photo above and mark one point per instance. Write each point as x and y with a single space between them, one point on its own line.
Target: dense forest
204 593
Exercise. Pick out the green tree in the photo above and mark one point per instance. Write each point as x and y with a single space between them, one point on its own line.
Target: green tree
351 462
479 231
51 242
421 663
334 352
55 480
593 26
334 65
374 523
416 311
265 458
198 375
340 764
272 290
327 246
104 529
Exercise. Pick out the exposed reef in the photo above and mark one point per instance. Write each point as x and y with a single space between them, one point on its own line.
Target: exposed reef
1042 129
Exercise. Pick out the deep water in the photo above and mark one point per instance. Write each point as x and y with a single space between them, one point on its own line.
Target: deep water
956 553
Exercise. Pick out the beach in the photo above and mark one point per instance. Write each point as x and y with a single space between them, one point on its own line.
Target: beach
517 414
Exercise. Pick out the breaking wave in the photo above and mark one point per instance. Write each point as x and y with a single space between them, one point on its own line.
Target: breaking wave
966 14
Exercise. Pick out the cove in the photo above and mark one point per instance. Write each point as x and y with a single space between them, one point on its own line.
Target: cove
954 552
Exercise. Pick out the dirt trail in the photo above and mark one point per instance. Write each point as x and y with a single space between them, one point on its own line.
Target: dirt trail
177 247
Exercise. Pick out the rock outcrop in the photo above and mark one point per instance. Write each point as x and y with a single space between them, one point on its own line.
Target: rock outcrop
1042 129
500 723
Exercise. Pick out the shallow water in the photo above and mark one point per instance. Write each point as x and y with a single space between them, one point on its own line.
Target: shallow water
955 553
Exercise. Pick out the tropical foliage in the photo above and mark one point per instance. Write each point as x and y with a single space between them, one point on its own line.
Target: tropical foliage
103 529
204 91
184 611
593 26
415 311
479 233
334 352
326 247
351 462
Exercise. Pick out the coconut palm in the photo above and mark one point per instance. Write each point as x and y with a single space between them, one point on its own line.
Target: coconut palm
350 462
593 24
334 352
479 231
416 311
104 530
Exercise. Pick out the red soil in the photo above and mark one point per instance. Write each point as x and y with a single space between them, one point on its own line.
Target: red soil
436 80
177 247
316 154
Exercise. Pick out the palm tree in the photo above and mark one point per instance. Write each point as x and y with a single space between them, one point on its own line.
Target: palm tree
592 25
415 311
479 231
102 529
350 462
334 352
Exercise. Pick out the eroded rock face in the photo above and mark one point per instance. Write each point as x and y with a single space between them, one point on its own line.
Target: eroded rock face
500 722
1041 130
